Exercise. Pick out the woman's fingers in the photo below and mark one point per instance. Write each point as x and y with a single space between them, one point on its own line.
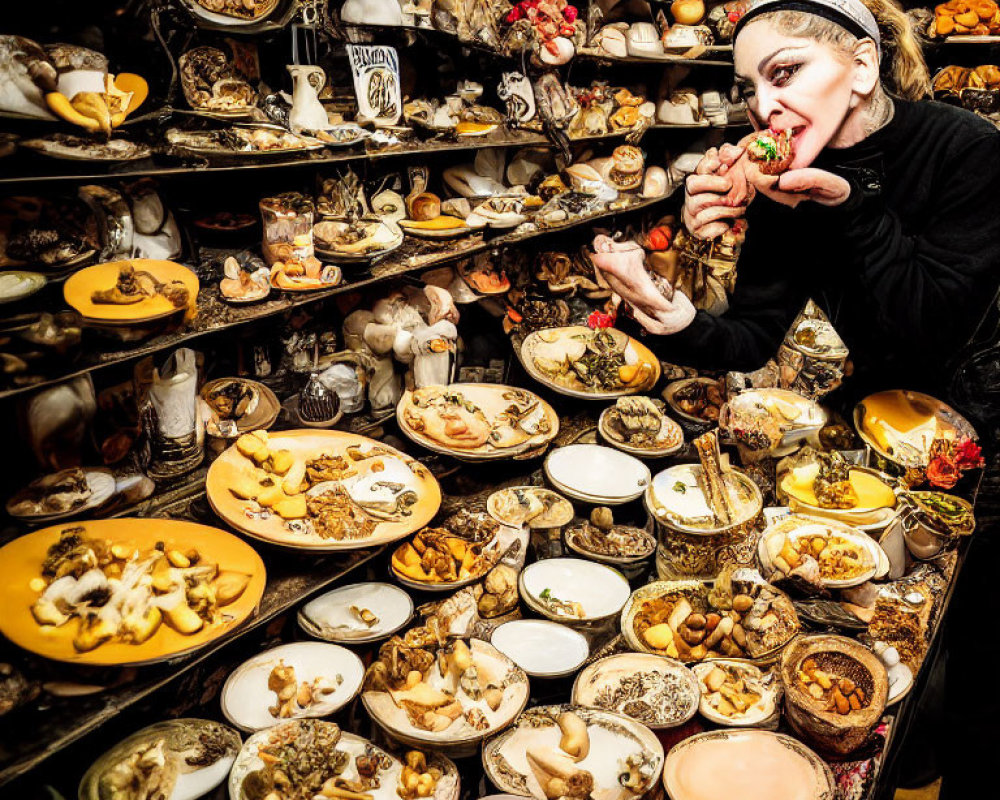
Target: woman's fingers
714 213
713 230
794 186
729 154
695 184
709 163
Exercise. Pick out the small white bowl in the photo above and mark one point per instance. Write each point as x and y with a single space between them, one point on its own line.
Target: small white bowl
329 617
246 700
601 590
592 472
541 648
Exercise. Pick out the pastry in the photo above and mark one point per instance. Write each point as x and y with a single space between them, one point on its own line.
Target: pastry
772 151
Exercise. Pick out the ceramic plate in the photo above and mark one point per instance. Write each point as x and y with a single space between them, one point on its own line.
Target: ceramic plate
541 648
248 703
18 284
755 765
228 20
873 488
536 425
331 225
755 714
529 505
798 417
599 589
669 440
77 148
585 471
329 616
459 738
677 500
100 482
656 691
613 739
434 233
540 343
675 386
410 476
798 526
262 410
900 425
80 286
249 761
575 542
21 562
183 739
203 143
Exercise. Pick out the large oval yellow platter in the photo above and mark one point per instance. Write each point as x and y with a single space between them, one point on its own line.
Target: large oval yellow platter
48 614
599 364
321 490
477 421
146 304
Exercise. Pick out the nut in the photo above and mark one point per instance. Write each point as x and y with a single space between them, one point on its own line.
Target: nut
739 636
712 620
742 603
178 559
696 621
691 636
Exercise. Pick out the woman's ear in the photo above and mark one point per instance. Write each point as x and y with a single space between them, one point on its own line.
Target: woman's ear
866 71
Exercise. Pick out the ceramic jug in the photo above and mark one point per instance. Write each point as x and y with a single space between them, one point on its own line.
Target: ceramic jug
307 111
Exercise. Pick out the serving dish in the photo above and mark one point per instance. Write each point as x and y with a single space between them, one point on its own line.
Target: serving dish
181 759
357 614
696 400
232 13
596 474
656 691
462 694
638 426
760 765
529 505
238 405
242 141
79 148
771 422
572 590
45 612
133 291
607 754
601 539
829 487
361 241
901 425
320 760
600 364
477 421
684 619
18 284
362 493
62 494
291 681
543 649
823 551
835 691
736 693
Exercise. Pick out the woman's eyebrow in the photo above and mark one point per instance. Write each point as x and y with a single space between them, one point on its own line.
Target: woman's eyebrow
764 61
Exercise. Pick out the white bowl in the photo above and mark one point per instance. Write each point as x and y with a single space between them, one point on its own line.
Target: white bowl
246 699
329 617
601 590
589 471
541 648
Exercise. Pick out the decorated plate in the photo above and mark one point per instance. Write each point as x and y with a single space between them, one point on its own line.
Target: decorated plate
608 747
247 404
391 495
79 289
573 590
197 755
541 648
901 425
499 421
233 14
357 613
533 506
656 691
207 143
30 504
668 438
19 284
237 580
596 474
79 148
549 357
746 763
388 768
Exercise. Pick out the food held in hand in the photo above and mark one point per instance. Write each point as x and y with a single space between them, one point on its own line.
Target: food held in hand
772 151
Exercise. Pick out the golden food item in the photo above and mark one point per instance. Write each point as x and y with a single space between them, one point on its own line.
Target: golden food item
834 692
447 417
417 779
443 222
436 556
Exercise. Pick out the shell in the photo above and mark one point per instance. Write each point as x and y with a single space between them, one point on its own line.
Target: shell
564 51
654 184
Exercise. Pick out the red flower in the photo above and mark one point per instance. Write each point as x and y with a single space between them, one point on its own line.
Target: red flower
968 454
598 319
943 472
514 15
570 13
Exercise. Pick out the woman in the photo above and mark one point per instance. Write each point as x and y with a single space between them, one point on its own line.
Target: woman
889 216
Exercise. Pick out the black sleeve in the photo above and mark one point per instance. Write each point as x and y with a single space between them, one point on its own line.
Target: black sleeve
927 289
761 309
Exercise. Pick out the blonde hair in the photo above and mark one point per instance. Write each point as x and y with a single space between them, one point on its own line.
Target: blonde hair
903 69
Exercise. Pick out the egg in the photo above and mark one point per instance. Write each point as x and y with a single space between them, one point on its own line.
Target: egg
688 12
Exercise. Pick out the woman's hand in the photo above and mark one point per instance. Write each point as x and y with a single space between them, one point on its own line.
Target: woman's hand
718 190
792 187
623 266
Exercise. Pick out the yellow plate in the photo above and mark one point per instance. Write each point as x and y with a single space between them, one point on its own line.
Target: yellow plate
873 493
80 286
310 444
21 560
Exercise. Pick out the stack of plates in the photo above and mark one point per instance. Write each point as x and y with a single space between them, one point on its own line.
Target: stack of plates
596 474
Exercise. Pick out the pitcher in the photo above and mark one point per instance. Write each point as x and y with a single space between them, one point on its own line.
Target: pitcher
307 111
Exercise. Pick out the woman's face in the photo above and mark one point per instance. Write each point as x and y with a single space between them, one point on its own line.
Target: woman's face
794 83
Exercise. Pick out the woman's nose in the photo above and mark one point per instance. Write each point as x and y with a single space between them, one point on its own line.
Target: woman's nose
768 103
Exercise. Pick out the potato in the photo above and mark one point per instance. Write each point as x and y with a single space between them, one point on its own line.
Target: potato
291 507
271 496
248 444
575 739
659 636
229 585
281 461
183 619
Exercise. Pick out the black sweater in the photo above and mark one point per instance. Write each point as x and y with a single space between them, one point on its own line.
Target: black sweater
906 268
